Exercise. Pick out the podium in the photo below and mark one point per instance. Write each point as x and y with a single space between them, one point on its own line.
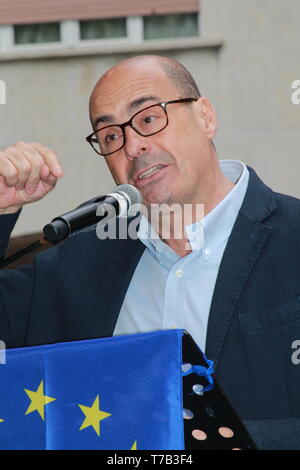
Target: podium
151 391
210 421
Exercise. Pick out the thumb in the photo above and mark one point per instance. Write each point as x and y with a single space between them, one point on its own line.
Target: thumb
47 179
3 187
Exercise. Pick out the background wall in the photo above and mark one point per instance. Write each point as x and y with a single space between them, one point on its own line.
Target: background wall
258 121
248 79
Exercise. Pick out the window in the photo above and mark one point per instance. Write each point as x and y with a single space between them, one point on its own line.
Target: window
37 33
106 32
103 29
170 26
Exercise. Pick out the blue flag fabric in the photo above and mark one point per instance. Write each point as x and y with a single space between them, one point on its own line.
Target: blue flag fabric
114 393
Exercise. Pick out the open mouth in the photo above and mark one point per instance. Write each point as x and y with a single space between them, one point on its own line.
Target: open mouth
150 172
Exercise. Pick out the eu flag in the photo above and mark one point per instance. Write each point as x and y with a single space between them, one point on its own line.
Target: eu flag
114 393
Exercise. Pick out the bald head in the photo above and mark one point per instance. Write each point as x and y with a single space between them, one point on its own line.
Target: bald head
171 68
180 76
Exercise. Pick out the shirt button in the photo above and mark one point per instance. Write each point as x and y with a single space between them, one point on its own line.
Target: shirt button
207 251
179 273
172 326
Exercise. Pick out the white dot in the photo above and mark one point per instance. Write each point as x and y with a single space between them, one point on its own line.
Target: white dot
186 367
187 414
179 273
198 389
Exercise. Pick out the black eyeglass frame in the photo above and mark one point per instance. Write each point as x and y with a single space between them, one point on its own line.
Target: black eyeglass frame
163 105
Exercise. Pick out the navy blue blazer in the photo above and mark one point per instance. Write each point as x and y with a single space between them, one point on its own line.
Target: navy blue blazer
75 291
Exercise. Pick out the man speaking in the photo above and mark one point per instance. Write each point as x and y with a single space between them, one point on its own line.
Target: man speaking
237 293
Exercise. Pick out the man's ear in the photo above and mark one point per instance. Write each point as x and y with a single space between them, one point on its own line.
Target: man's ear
207 116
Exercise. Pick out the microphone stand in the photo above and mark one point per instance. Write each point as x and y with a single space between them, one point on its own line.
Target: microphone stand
24 251
41 242
61 227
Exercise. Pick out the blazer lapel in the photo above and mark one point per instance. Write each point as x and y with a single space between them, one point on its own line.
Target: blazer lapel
122 259
244 246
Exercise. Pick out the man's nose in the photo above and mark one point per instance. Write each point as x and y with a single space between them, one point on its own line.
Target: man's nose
135 144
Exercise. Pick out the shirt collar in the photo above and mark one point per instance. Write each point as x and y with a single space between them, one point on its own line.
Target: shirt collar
219 222
150 238
212 231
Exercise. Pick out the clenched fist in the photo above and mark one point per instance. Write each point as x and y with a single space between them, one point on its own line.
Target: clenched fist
27 173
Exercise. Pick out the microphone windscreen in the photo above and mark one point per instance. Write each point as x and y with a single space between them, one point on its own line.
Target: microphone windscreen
132 193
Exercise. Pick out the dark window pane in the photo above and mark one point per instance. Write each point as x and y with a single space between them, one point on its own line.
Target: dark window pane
103 29
37 33
171 26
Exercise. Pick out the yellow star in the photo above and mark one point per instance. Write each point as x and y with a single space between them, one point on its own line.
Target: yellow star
38 400
93 415
1 420
134 446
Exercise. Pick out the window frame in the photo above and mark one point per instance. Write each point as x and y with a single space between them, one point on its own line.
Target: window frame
70 36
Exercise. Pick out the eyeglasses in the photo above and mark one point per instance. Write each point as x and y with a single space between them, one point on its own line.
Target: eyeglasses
146 122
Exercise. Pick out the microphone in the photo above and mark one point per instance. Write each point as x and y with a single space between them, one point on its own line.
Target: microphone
117 203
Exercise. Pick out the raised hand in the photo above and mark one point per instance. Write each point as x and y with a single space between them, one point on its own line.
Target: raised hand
28 171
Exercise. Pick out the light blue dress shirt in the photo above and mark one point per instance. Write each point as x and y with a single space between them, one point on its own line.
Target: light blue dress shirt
167 291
